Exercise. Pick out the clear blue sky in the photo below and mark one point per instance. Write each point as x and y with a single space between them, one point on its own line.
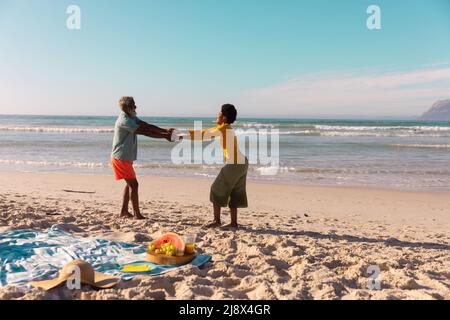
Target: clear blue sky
186 57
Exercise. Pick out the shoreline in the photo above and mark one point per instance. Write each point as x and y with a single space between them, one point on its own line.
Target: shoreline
437 190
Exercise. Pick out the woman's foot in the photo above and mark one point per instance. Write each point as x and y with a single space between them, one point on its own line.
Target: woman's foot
214 224
231 227
139 216
126 214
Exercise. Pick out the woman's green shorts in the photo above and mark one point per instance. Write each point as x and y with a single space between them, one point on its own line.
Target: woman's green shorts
229 188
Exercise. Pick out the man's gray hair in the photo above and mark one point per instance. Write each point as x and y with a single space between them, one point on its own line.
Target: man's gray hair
126 102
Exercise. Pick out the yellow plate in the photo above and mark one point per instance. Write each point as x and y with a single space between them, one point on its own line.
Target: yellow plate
132 268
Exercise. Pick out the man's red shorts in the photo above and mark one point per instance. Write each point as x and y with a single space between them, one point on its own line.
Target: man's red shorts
123 169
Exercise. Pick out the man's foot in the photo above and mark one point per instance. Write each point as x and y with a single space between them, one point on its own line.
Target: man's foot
231 227
214 224
139 217
126 214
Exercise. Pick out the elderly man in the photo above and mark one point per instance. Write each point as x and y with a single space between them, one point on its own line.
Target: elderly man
124 151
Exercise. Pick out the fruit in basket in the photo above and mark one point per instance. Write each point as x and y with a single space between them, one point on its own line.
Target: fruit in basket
169 244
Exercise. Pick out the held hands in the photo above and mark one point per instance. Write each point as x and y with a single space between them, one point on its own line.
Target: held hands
174 135
168 136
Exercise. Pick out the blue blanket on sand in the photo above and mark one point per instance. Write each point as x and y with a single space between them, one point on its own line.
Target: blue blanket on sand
27 255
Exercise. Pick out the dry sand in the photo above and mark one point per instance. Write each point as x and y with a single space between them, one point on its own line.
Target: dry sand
296 242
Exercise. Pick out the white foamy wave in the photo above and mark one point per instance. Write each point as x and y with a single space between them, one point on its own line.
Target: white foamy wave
206 175
381 134
258 125
301 132
383 128
59 129
270 132
384 131
342 131
170 166
425 146
55 163
76 164
273 170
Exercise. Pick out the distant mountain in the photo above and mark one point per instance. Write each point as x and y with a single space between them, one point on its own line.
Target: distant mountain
439 111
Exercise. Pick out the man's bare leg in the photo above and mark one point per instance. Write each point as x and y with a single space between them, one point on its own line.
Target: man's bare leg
133 185
216 222
126 199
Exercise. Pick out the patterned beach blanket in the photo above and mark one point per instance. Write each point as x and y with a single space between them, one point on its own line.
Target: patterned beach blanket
27 255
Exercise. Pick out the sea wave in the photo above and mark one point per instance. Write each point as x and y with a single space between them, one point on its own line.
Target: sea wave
382 128
78 130
207 170
274 129
58 129
54 163
399 134
423 146
258 125
79 164
384 131
271 132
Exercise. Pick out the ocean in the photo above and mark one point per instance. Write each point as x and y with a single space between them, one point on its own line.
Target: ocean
377 153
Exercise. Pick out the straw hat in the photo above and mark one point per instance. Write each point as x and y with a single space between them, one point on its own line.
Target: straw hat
87 276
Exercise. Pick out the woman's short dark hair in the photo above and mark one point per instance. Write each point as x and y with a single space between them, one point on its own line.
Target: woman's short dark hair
230 112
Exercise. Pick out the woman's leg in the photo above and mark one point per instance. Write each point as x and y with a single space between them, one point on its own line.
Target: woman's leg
233 214
238 196
216 222
218 195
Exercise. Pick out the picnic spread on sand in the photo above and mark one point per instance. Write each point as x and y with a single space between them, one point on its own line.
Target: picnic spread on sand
47 259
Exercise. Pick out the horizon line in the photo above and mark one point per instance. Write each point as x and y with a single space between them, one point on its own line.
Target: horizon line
280 117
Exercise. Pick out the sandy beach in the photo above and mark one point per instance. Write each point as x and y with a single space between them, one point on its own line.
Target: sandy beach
296 242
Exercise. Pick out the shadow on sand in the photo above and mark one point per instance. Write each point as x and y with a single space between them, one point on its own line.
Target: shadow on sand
393 242
331 236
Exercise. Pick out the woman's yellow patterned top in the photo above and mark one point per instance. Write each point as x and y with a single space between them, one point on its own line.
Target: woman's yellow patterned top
228 141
